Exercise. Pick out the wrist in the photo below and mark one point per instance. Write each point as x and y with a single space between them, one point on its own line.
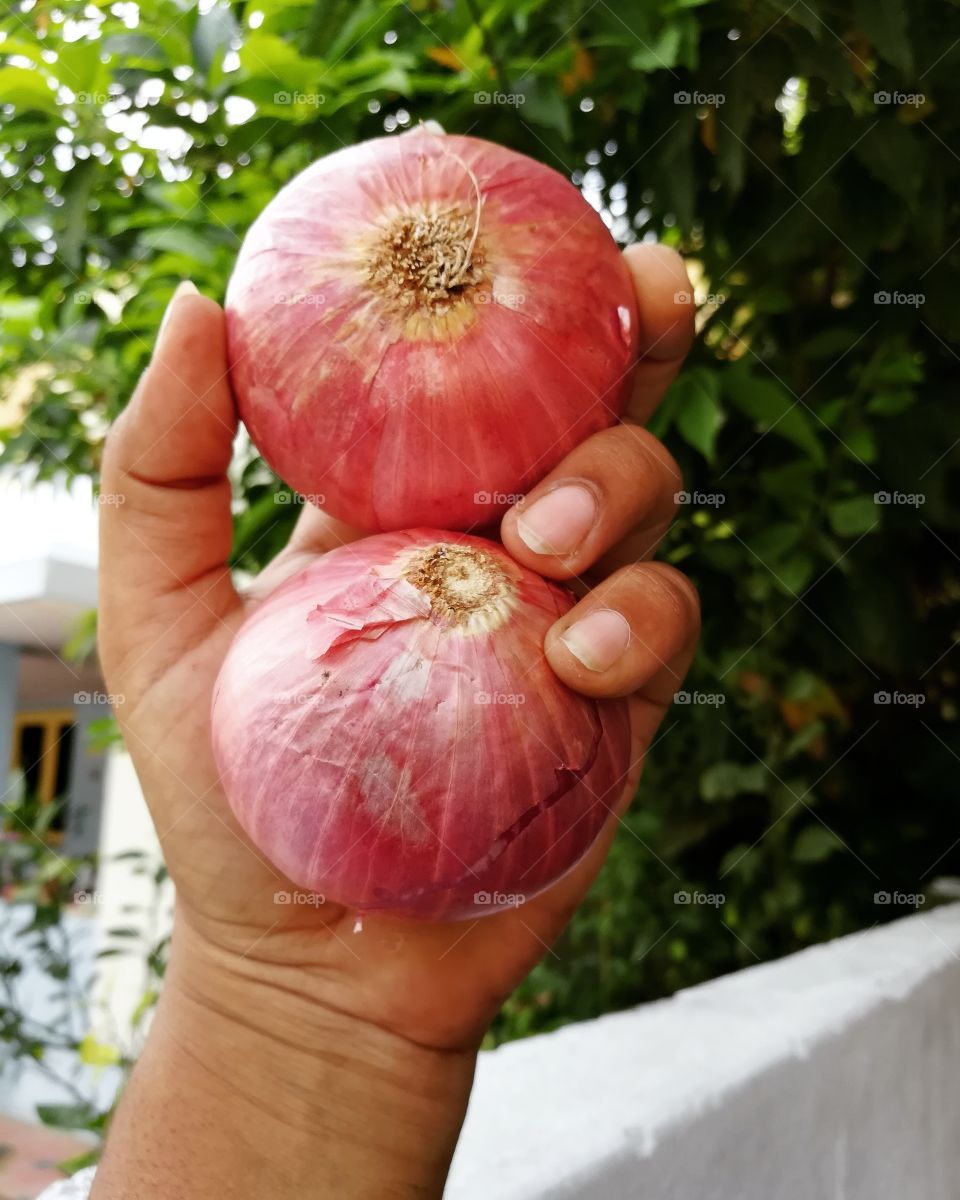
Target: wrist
261 1091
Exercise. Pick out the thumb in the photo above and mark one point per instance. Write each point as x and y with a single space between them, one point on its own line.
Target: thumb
165 526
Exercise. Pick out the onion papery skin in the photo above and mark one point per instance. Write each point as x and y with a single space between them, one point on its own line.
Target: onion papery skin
391 408
394 754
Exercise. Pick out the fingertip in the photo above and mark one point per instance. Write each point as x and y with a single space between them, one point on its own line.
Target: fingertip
181 420
549 532
614 493
586 651
192 333
597 640
186 287
665 300
643 251
635 632
659 262
681 588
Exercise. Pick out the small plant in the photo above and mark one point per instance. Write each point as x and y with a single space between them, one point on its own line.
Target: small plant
62 1038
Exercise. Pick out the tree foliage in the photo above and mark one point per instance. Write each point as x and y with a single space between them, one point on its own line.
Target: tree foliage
804 156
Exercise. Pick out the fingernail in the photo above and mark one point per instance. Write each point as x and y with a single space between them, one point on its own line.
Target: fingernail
558 522
598 639
183 288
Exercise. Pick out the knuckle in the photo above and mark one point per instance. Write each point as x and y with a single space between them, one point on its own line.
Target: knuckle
623 459
673 474
682 588
634 576
612 454
630 451
674 588
115 449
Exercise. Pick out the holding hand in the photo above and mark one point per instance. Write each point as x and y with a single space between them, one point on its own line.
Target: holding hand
288 1042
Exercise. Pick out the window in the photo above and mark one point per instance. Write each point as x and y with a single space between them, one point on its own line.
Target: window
42 750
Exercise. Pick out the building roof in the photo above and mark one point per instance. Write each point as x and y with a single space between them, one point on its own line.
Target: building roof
48 558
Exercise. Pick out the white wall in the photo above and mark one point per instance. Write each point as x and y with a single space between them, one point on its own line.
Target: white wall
48 519
9 657
125 898
829 1075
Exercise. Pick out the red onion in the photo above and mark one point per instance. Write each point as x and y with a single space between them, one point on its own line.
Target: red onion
421 327
391 736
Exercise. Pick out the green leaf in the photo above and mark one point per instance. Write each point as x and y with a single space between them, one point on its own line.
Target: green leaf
147 1002
698 413
725 780
860 443
27 89
97 1054
68 1116
103 734
744 860
804 13
794 573
892 364
892 154
803 684
731 131
181 240
661 52
886 25
773 410
850 518
775 539
830 342
79 68
266 57
802 738
135 47
76 205
889 403
70 1166
212 34
545 106
19 46
815 843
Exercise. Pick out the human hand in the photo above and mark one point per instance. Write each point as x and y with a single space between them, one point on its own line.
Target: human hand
402 996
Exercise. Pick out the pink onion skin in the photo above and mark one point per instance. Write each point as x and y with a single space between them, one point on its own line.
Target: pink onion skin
391 417
359 754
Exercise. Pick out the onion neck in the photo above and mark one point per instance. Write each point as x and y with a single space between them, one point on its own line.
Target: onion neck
467 587
427 259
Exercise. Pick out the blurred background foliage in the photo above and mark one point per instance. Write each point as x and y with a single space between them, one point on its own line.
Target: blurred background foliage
804 155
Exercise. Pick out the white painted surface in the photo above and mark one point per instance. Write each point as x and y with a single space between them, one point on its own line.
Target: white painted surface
9 665
833 1074
125 898
48 519
48 558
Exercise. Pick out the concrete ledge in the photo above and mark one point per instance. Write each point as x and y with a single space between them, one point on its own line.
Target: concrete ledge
830 1075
